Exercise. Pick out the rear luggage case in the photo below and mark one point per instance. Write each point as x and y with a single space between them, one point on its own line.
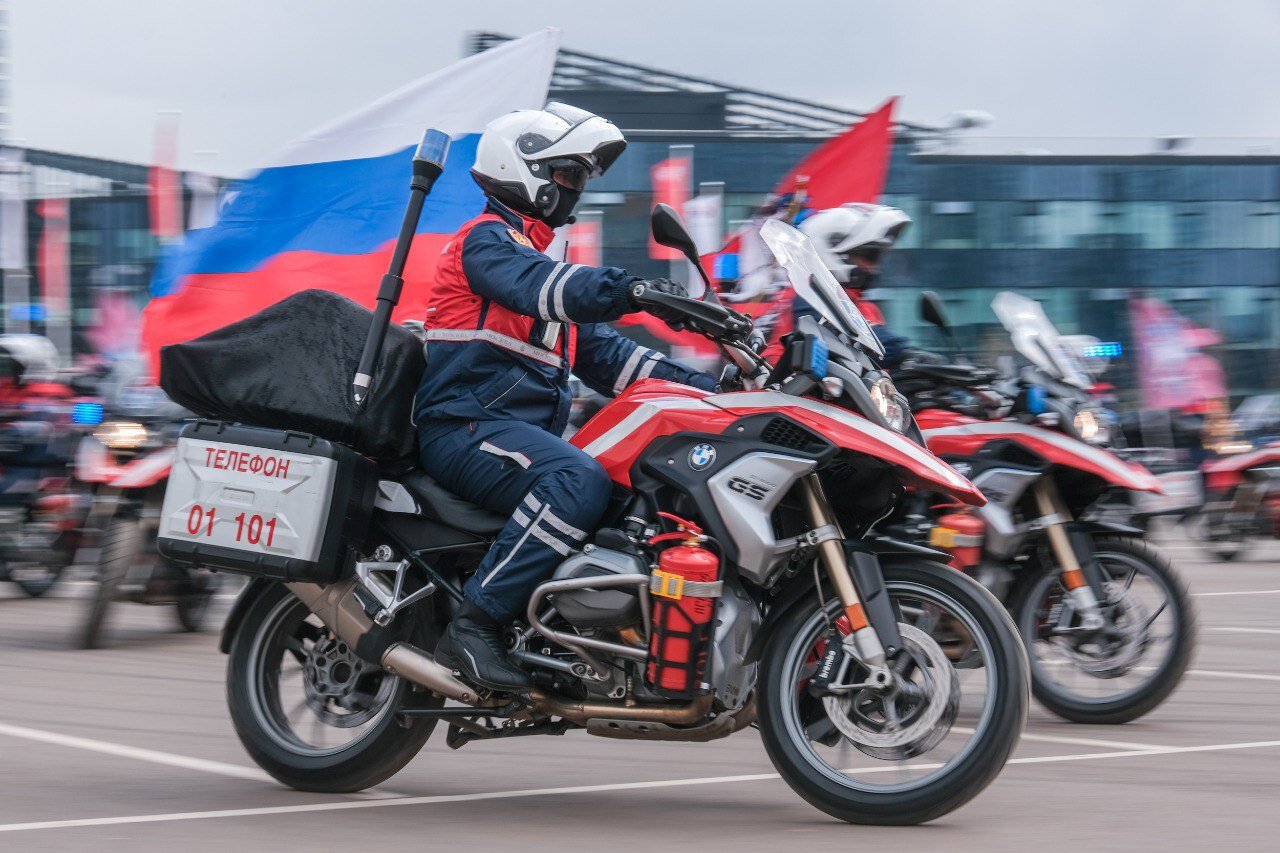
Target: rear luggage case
265 502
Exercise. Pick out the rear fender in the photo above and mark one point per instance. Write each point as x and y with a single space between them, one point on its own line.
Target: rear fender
252 591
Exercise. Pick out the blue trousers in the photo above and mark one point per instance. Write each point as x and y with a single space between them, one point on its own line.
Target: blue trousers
554 493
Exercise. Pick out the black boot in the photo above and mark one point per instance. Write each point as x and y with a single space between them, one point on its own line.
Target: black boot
474 645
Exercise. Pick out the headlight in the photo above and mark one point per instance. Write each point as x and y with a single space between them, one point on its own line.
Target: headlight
122 435
885 397
1092 427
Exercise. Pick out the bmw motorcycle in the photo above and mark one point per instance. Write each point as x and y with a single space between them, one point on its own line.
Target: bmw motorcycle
1108 624
734 582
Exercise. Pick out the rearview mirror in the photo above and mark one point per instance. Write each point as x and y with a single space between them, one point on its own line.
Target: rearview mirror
669 230
932 310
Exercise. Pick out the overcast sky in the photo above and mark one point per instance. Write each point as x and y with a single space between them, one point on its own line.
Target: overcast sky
249 75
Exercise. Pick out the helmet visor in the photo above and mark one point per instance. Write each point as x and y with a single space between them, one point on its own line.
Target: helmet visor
864 257
570 174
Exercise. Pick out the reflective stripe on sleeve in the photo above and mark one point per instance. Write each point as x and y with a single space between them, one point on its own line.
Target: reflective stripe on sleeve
544 294
628 371
557 294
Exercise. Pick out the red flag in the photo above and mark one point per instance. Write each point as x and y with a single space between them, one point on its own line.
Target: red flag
850 167
52 259
671 179
164 190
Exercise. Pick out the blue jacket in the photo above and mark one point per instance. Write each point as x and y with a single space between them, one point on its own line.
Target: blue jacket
506 325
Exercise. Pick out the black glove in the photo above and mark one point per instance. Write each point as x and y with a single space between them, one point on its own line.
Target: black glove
673 317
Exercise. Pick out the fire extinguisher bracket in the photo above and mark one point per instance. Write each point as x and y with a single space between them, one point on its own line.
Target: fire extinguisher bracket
673 586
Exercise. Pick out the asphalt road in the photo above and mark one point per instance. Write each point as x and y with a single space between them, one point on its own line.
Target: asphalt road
130 748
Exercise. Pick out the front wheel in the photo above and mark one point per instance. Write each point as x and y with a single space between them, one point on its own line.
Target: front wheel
307 709
920 748
1129 666
121 546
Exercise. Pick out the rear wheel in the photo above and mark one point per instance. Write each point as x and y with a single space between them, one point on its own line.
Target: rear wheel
920 748
1134 662
193 595
308 710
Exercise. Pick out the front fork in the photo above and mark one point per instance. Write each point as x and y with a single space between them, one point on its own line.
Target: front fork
870 644
1085 588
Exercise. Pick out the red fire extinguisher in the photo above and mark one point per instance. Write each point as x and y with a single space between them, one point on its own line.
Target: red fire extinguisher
685 587
961 533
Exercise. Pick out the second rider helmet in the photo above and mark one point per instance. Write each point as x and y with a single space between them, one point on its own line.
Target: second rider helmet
851 239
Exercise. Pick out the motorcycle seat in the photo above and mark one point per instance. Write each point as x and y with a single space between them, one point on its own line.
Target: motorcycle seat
446 507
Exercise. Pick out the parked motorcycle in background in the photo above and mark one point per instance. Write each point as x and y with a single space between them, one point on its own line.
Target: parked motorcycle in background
1108 624
125 464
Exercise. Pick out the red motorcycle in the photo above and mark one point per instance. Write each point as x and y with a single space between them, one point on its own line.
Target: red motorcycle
1107 622
735 580
1242 500
124 465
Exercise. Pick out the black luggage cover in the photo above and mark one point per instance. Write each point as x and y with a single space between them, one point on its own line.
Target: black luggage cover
290 367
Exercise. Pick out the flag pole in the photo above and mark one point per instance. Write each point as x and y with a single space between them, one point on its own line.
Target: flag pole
428 163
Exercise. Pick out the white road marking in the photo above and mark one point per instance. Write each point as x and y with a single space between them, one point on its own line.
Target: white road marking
578 789
155 756
1246 630
1084 741
1237 592
1247 676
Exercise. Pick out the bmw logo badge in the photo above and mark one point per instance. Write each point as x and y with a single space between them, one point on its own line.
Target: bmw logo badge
701 456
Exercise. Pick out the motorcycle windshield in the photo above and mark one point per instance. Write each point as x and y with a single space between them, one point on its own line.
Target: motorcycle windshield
815 284
1037 339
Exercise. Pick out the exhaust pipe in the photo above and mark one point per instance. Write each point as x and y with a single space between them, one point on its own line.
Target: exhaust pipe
339 609
581 712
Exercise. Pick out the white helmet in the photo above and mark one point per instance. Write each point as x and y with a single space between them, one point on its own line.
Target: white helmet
850 238
31 358
528 158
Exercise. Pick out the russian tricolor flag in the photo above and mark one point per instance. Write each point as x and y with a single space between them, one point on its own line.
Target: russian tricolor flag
325 212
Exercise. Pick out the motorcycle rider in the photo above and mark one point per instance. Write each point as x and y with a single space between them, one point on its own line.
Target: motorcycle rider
505 327
851 240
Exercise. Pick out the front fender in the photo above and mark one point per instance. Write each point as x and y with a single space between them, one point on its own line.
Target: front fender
251 592
800 588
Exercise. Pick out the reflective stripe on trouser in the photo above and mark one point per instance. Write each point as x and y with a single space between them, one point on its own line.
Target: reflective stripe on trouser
554 502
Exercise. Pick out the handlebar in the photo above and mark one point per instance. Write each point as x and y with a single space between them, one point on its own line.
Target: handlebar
715 321
957 375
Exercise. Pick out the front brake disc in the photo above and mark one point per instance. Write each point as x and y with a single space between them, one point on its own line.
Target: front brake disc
892 726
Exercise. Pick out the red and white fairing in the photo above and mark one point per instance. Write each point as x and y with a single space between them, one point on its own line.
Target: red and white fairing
94 464
1226 472
652 408
950 434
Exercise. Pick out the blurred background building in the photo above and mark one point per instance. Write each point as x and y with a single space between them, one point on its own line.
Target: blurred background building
1081 225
